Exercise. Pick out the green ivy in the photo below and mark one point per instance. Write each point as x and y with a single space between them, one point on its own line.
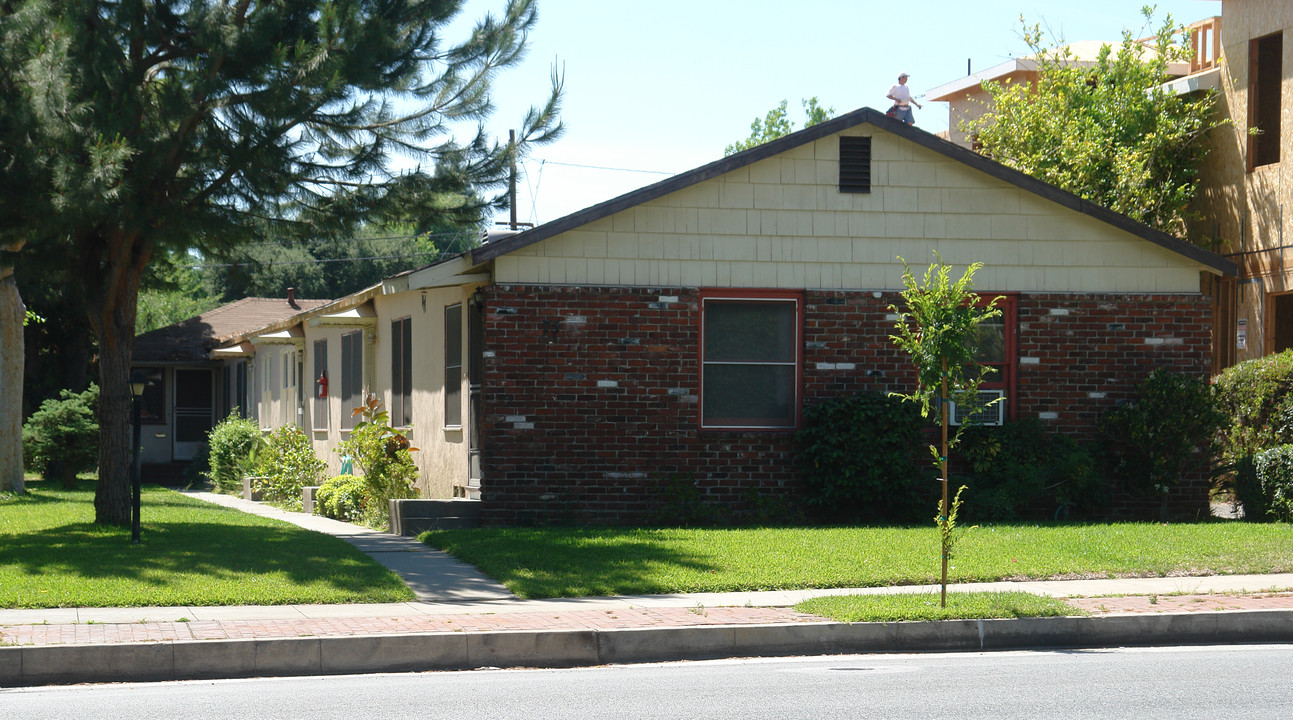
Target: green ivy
859 456
1020 471
1154 437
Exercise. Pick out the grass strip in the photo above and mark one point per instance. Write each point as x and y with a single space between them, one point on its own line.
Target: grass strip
583 562
899 607
52 554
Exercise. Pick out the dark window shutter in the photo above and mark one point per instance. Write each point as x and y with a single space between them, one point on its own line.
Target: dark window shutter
855 164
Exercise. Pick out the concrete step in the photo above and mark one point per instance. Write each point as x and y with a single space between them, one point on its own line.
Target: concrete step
411 517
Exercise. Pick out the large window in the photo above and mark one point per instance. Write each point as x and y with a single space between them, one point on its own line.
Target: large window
402 372
750 360
1265 71
352 376
320 384
453 366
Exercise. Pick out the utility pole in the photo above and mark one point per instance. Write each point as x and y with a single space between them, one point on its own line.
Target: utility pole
511 178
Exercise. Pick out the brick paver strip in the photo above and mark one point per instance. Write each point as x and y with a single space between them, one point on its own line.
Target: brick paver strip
1140 604
106 633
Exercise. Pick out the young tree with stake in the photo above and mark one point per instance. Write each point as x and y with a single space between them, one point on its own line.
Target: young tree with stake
939 328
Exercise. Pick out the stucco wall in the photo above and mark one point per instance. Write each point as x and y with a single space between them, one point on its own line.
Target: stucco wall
442 454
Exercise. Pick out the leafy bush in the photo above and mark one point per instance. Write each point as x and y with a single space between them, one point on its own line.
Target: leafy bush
1273 499
383 454
859 455
63 435
1256 398
343 497
1153 438
1019 470
285 464
232 443
685 505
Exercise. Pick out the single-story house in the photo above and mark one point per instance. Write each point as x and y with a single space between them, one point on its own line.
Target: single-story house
189 387
572 369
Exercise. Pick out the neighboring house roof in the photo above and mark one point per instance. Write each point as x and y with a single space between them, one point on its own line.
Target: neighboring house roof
192 340
1084 54
864 116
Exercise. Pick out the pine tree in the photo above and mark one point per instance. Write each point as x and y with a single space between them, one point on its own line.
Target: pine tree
133 127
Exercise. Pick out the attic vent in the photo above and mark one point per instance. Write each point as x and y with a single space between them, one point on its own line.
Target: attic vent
855 164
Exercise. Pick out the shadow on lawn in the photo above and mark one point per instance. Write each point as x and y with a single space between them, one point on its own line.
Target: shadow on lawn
537 563
174 553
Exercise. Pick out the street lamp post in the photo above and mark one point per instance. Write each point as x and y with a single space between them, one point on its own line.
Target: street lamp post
137 383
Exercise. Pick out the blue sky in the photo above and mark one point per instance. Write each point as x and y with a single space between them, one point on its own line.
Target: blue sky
657 88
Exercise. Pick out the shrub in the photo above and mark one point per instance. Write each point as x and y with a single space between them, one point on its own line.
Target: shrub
1019 470
1256 399
343 497
285 464
860 457
383 454
685 504
232 443
62 436
1153 438
1272 499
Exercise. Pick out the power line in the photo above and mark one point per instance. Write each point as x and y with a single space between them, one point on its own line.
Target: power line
613 169
315 261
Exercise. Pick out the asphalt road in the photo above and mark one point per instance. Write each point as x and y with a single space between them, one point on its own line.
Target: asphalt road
1191 682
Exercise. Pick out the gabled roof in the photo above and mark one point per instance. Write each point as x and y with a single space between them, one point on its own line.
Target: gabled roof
863 116
192 340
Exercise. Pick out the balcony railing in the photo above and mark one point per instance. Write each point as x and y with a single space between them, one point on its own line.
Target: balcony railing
1205 43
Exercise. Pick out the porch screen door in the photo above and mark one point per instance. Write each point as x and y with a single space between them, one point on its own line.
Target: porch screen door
194 405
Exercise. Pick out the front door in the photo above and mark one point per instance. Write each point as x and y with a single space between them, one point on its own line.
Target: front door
194 405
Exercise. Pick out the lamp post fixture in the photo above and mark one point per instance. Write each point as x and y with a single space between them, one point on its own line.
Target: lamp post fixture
137 383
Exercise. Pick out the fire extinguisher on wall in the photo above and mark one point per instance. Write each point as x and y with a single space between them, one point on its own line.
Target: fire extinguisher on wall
322 383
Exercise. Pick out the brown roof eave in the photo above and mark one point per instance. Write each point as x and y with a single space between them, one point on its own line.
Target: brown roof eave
344 303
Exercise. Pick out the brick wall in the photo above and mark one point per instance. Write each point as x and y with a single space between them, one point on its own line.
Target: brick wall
590 394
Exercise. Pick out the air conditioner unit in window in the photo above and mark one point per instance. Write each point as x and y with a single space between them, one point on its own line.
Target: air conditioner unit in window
994 414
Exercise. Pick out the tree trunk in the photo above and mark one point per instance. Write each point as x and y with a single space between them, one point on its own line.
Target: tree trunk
112 495
12 314
112 300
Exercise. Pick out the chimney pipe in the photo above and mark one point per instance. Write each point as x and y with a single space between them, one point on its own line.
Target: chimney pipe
291 297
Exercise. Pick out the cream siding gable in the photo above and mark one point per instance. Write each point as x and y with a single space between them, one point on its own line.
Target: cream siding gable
781 222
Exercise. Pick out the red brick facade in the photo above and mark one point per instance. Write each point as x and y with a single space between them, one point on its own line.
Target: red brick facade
590 394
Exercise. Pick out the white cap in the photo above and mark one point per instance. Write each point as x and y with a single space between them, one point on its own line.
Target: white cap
903 75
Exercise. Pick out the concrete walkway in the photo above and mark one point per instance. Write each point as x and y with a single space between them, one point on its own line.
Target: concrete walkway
434 576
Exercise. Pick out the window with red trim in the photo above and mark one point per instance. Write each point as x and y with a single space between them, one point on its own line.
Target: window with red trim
996 350
750 359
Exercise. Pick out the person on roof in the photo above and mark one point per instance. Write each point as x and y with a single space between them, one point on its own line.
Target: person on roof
900 94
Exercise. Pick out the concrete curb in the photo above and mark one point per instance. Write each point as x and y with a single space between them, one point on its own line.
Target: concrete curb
283 657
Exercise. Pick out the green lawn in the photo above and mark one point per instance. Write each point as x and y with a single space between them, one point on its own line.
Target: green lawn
926 606
566 562
193 553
